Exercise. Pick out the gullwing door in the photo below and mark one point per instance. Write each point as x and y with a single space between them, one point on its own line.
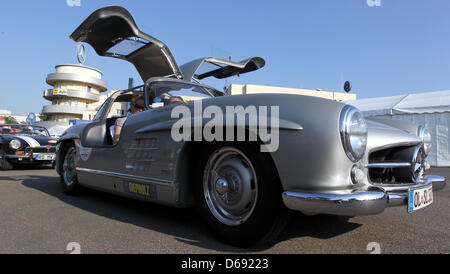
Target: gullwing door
219 68
112 32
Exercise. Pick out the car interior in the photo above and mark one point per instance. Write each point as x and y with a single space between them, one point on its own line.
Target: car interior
101 132
164 99
119 109
97 133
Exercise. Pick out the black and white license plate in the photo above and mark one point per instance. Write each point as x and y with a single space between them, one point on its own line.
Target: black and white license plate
419 198
44 156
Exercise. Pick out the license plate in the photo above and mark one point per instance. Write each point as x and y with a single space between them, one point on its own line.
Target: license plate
419 198
44 157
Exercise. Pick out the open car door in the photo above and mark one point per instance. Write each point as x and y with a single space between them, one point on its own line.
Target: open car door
219 68
112 31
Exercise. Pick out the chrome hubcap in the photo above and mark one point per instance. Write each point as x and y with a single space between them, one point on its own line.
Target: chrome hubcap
221 186
69 166
230 187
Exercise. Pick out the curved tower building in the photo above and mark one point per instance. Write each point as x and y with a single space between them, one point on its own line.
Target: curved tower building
75 94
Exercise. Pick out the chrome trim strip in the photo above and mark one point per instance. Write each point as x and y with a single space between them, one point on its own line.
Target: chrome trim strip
144 148
391 145
127 176
387 165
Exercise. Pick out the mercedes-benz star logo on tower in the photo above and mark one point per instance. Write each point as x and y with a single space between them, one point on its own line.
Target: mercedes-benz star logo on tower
81 53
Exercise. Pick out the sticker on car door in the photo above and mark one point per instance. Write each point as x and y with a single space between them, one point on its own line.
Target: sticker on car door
141 189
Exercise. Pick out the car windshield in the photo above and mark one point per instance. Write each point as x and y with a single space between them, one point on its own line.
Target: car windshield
161 92
23 130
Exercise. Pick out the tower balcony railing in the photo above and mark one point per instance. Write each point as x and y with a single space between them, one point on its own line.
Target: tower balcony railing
56 109
51 94
72 77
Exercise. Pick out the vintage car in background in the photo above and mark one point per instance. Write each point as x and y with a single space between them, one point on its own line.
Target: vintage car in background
330 159
25 145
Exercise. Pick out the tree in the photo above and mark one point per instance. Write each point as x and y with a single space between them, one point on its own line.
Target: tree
10 120
43 117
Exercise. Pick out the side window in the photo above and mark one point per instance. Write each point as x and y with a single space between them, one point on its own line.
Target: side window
118 109
121 105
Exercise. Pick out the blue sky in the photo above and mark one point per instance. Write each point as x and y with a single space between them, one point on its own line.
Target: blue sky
399 47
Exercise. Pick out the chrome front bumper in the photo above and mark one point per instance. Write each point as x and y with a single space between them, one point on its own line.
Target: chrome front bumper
25 158
14 156
365 201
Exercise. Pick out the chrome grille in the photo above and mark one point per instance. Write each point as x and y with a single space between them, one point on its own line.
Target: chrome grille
50 149
398 165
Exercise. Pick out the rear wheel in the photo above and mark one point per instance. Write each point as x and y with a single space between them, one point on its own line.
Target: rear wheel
68 175
4 164
239 195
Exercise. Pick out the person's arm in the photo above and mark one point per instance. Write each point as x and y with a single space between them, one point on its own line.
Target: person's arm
118 129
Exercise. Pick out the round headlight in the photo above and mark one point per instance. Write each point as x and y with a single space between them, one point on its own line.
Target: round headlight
425 135
353 129
15 144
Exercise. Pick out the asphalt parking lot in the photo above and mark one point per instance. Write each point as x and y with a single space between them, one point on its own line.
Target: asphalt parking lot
36 217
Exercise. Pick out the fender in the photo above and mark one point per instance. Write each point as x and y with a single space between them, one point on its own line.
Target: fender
61 140
69 136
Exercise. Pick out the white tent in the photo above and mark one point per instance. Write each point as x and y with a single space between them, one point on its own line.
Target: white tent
57 130
431 109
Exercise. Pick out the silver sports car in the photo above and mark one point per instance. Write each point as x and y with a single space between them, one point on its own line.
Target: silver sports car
245 161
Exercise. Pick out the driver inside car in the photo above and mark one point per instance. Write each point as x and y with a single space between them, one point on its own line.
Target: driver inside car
136 106
169 99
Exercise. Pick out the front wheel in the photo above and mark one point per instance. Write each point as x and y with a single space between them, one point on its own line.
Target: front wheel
68 175
238 194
